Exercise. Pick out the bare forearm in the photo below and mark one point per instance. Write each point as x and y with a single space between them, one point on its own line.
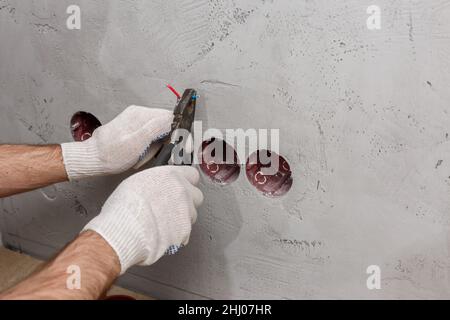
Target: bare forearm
24 168
97 262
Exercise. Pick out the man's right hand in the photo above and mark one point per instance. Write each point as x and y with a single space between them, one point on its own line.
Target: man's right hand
148 213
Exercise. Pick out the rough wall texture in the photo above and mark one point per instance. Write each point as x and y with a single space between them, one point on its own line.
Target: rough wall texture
363 117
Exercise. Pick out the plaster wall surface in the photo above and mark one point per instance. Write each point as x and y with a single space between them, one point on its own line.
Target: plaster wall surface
364 124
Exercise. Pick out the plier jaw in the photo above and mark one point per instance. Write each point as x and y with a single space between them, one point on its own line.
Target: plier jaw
184 112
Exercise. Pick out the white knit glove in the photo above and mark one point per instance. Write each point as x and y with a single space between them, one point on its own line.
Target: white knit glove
118 145
148 213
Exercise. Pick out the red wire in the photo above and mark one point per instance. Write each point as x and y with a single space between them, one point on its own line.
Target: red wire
174 91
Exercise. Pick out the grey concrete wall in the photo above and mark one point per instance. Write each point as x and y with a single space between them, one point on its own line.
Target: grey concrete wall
363 117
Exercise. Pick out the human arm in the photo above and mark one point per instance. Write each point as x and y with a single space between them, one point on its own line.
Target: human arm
146 214
90 254
24 168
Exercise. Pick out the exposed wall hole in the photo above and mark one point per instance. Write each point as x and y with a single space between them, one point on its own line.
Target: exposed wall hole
219 161
83 125
269 172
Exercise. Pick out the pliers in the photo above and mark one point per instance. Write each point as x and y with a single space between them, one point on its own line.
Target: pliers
183 118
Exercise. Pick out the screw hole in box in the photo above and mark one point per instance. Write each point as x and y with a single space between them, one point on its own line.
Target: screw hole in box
214 164
269 173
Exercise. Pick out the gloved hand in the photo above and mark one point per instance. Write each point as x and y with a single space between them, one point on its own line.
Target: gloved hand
116 146
149 212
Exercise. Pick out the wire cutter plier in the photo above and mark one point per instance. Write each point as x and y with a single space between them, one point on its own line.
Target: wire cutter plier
183 118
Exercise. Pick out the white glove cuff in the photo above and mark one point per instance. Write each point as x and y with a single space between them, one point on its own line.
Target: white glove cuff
122 236
81 160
